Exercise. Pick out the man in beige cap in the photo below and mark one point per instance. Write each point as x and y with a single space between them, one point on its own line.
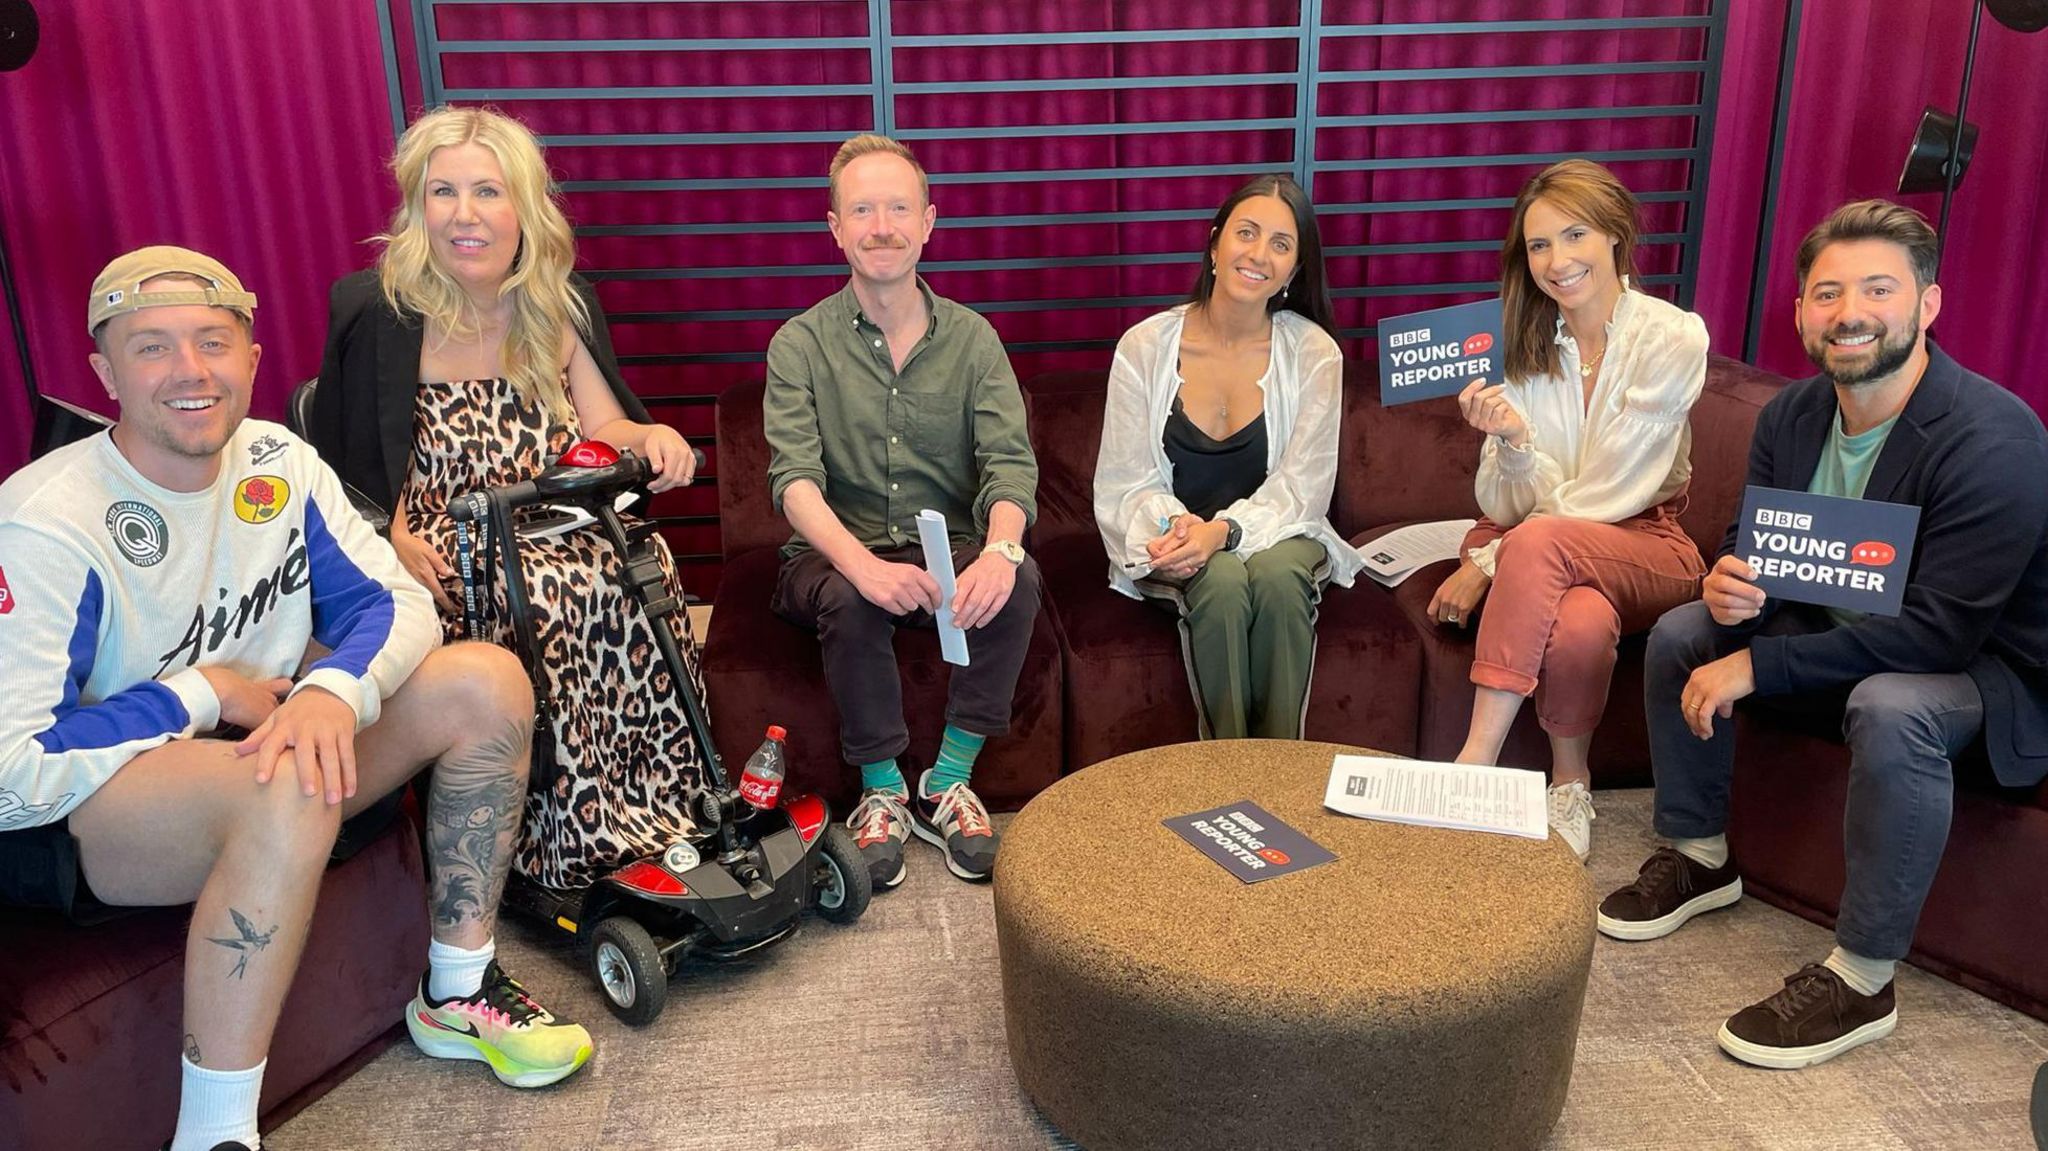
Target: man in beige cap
164 583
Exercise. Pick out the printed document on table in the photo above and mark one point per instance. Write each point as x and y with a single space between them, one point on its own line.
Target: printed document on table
1404 551
1505 800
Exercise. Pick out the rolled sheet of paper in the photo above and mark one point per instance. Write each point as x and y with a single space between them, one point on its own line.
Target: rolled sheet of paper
938 560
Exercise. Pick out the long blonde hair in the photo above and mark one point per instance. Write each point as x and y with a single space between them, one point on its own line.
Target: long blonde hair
538 283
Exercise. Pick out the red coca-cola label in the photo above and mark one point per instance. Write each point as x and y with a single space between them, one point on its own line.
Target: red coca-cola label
759 791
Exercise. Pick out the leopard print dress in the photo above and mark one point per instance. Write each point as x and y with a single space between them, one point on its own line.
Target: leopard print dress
629 763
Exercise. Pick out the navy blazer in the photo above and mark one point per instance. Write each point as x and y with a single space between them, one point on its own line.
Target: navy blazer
361 422
1974 459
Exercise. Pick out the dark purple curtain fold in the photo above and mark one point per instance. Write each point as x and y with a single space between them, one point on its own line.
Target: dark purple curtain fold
258 133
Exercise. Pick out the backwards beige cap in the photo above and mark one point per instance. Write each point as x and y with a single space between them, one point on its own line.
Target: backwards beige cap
118 288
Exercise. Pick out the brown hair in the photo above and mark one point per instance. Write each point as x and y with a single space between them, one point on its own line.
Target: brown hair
1874 220
868 144
1587 192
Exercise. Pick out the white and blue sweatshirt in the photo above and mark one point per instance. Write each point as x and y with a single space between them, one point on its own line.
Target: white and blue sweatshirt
115 591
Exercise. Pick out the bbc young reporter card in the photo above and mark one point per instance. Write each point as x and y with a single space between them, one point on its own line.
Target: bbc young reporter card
1426 355
1828 550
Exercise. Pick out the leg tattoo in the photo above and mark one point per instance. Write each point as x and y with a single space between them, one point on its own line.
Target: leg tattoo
248 942
191 1049
473 813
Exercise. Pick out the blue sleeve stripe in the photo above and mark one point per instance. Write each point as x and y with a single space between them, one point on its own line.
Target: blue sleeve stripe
146 711
352 613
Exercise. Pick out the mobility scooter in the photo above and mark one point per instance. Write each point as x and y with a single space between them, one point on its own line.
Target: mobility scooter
758 860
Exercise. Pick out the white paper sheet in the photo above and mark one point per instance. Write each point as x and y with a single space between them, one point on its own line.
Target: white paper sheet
1402 552
1504 800
938 560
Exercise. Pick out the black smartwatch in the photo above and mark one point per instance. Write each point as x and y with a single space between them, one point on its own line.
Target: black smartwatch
1232 536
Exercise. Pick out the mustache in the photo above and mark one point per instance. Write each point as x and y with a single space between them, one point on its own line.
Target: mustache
881 245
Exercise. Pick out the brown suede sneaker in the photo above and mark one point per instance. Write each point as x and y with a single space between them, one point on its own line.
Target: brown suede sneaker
1812 1019
1669 889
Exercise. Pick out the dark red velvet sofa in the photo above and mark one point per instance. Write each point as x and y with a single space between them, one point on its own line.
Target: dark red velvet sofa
90 1019
1986 923
760 669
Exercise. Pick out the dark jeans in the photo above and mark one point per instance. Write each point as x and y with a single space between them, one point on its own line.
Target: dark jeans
1904 733
858 641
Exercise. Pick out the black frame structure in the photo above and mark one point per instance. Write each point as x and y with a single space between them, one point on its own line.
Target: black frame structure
886 90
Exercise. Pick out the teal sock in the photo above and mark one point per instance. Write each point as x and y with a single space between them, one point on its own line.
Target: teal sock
883 776
956 759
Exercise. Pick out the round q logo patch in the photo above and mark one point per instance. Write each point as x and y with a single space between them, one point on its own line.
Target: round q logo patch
139 532
258 499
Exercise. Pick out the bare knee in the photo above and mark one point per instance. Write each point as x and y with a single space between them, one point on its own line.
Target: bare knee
283 821
482 682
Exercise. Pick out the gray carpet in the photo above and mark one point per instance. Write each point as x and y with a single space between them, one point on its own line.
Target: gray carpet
888 1034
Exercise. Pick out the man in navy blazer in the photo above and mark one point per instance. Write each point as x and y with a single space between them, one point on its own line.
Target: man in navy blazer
1891 417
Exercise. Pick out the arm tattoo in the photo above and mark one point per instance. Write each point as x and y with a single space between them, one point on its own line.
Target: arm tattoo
248 941
473 813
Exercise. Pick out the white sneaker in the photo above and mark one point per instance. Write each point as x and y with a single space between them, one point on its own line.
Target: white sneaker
1571 816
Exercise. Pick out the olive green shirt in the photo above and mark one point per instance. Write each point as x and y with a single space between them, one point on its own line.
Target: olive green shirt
947 433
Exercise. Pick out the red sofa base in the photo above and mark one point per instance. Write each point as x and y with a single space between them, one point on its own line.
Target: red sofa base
92 1016
1985 925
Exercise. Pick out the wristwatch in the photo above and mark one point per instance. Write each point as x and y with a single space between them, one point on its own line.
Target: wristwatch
1232 536
1008 549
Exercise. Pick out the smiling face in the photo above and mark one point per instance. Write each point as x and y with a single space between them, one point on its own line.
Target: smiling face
471 223
881 219
1861 312
1570 260
182 375
1256 250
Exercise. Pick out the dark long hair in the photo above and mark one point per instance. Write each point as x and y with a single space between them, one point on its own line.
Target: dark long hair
1587 192
1308 295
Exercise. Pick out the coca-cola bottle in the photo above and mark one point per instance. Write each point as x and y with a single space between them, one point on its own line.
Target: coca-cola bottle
761 782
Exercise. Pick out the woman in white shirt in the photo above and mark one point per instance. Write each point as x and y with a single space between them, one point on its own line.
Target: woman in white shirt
1582 473
1219 454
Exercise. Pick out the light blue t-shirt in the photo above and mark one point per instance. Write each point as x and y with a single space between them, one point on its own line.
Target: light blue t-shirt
1845 466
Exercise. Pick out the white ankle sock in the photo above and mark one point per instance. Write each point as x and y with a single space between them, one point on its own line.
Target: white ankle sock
1866 976
456 972
1709 852
217 1107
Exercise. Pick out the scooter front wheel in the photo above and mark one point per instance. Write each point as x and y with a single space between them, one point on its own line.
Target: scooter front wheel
629 970
841 887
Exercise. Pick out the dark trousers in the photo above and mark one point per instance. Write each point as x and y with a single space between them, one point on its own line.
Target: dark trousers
1904 734
858 642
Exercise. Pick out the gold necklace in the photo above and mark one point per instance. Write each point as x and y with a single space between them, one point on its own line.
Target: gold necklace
1587 367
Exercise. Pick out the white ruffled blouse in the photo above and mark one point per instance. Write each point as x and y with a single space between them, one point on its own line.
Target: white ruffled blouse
1627 450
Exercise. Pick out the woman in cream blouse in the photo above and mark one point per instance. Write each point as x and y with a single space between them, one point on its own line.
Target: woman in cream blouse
1582 473
1219 454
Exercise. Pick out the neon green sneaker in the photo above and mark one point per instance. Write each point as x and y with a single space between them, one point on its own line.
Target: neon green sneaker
501 1025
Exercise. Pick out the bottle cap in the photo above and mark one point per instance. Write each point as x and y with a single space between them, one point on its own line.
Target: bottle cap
776 733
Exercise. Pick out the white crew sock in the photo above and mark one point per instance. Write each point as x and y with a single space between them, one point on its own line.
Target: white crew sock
217 1107
1709 852
456 972
1865 976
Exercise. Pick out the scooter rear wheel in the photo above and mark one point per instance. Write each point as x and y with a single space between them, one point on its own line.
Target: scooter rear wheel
842 888
629 970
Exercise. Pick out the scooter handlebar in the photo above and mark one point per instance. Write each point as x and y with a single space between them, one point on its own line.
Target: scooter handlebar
566 482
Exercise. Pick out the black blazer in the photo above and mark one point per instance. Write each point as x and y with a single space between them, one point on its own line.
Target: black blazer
1974 459
361 421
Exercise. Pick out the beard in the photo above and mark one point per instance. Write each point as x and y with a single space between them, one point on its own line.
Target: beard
1888 354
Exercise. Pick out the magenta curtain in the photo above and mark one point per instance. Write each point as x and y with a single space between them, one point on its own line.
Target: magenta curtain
257 132
251 132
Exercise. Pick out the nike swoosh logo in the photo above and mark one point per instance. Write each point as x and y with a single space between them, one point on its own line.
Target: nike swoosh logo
430 1021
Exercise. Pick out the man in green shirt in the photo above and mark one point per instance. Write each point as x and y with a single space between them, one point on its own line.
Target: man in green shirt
882 401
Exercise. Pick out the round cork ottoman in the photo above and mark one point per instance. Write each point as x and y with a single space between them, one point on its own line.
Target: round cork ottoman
1420 991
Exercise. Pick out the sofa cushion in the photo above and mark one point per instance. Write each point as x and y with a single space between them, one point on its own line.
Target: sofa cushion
760 669
1066 433
1128 687
86 1008
747 518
